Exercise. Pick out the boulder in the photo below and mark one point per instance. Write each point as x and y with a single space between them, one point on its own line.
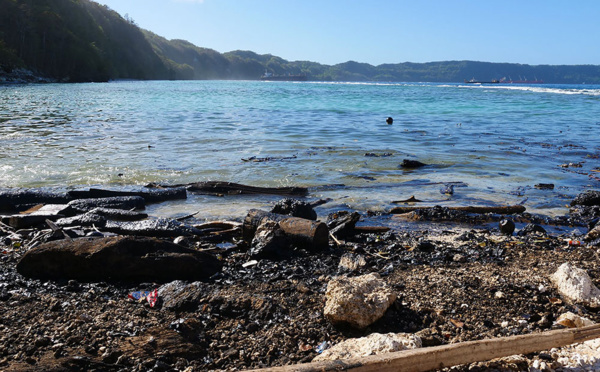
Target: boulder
373 344
575 285
117 259
358 301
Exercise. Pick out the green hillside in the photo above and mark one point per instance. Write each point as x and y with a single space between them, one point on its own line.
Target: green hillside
80 40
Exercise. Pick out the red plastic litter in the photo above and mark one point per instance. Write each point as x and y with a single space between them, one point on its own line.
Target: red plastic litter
152 297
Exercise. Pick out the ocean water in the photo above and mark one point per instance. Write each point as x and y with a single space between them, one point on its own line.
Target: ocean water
495 142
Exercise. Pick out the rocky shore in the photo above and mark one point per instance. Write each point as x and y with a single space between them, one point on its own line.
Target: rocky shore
89 282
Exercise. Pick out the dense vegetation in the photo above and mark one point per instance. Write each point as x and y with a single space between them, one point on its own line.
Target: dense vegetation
80 40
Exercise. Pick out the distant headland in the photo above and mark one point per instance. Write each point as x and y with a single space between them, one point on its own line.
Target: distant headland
85 41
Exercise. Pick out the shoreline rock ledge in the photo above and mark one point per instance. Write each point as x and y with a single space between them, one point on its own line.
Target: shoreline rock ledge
120 258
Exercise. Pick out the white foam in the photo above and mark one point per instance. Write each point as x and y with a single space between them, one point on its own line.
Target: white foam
537 89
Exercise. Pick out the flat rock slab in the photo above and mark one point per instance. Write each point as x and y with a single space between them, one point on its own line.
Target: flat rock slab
358 301
117 259
373 344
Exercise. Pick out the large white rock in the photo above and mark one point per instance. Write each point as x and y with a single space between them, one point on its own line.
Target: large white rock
358 301
575 285
375 343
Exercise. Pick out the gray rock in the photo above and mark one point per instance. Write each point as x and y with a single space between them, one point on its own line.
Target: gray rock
373 344
358 301
575 285
351 262
116 259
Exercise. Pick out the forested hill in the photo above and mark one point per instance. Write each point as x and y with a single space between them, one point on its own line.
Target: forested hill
80 40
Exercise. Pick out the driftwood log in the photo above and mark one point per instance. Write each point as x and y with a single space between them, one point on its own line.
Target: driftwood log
510 209
150 195
431 358
230 188
305 233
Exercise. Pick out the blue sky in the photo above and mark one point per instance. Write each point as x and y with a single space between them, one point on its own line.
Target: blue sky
377 31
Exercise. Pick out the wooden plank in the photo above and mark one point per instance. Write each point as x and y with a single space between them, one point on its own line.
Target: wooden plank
431 358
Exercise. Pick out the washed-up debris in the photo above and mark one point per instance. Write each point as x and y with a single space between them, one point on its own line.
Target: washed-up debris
358 301
230 188
342 224
161 227
268 158
270 241
115 202
302 233
512 209
375 155
149 296
295 208
11 198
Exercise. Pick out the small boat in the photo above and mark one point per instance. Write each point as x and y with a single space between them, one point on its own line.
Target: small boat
267 76
473 81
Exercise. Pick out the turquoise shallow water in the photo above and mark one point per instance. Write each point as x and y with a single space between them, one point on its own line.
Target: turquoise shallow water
499 140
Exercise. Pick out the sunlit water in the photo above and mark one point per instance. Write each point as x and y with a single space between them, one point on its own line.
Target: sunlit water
499 140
